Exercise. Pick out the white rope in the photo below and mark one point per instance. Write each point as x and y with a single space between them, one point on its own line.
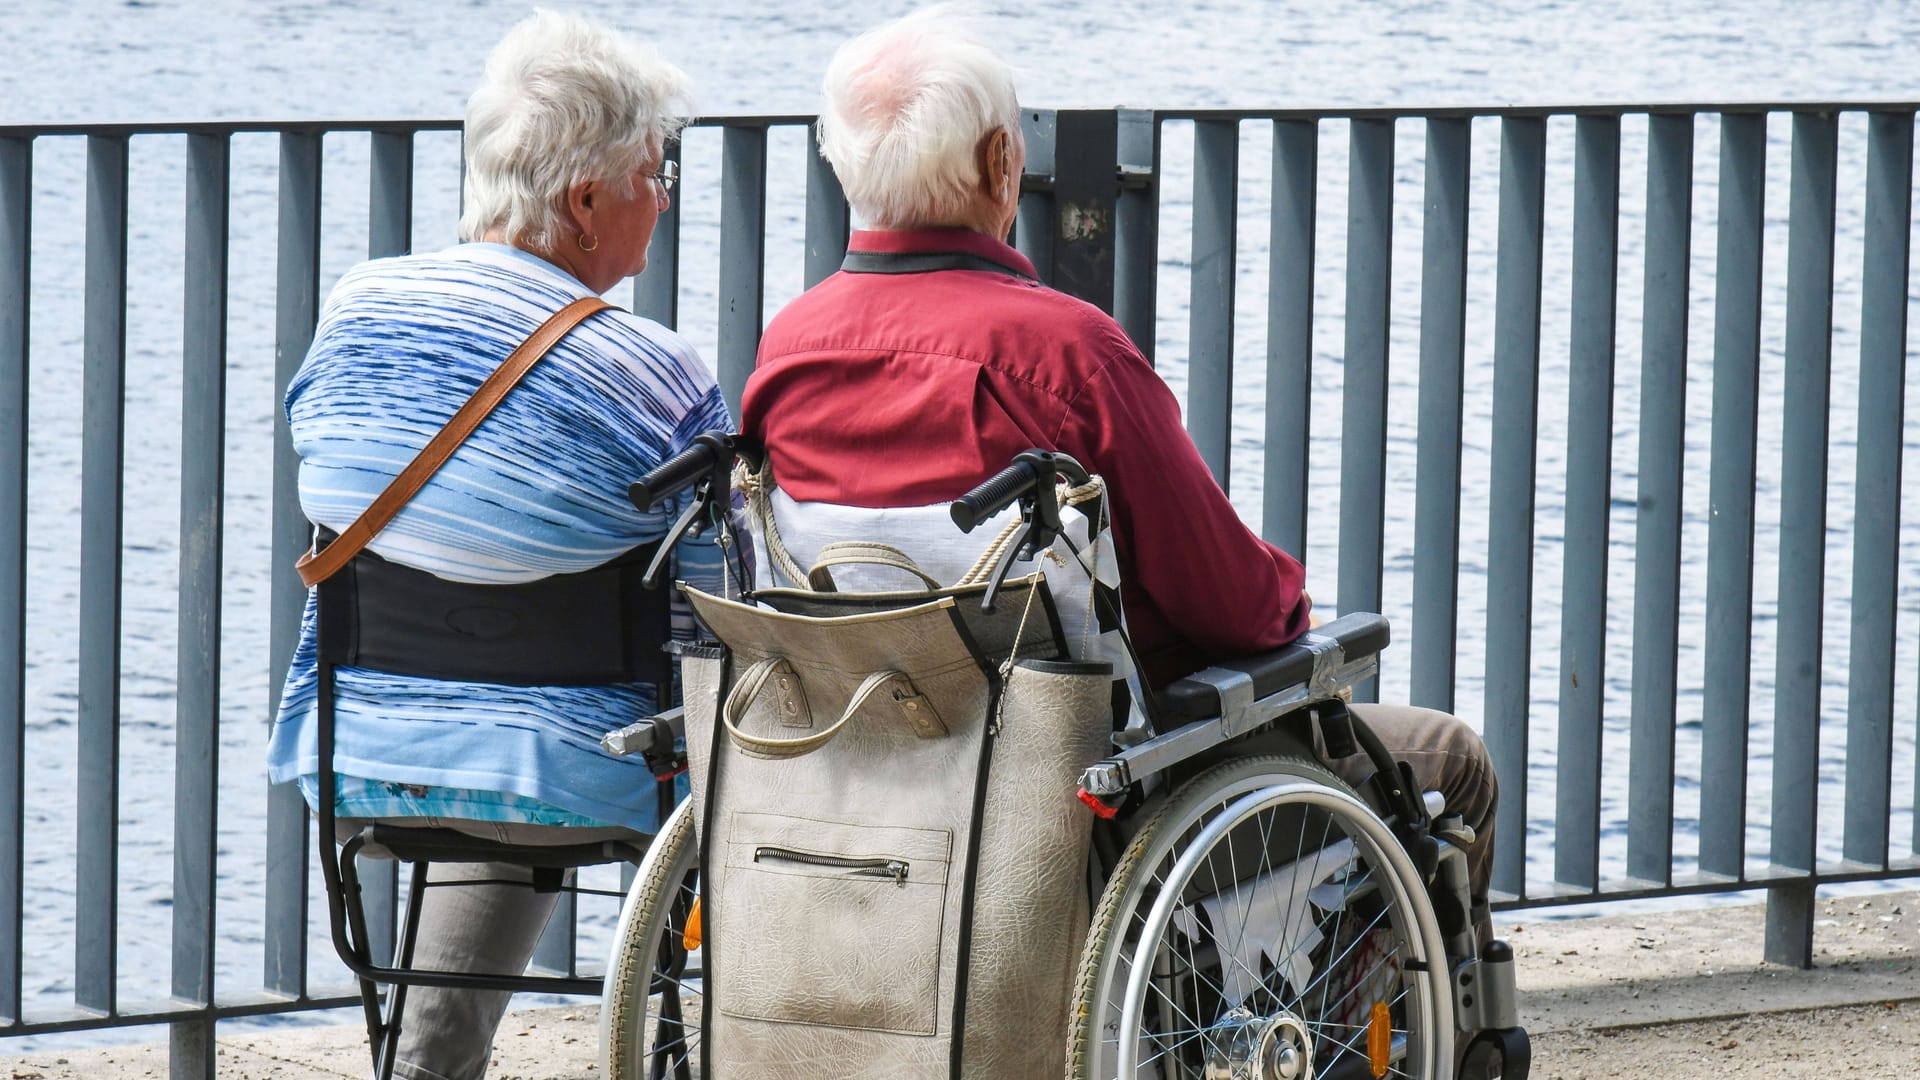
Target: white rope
991 556
758 488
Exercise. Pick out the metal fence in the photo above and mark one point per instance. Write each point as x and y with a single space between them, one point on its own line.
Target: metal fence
1504 442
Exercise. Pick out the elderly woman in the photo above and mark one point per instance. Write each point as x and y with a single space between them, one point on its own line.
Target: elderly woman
565 181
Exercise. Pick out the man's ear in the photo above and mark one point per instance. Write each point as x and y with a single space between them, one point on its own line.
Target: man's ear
994 158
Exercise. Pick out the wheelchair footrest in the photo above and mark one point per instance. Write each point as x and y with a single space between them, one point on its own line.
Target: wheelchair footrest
1502 1054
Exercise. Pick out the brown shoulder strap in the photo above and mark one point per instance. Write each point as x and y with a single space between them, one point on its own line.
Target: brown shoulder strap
316 567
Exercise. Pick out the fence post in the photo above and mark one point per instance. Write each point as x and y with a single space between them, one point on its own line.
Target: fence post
96 894
1443 355
1656 542
1363 391
1216 186
1086 155
297 303
1516 389
1876 488
1736 380
1033 222
656 292
1290 252
1583 607
16 227
202 485
1803 536
828 216
1136 240
743 249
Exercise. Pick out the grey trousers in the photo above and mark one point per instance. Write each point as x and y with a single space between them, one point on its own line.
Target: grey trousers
1448 757
448 1034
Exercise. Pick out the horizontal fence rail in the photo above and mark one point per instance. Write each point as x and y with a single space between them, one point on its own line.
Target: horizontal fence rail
1604 406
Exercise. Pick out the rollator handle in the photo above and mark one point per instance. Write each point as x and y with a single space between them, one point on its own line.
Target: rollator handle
711 453
706 466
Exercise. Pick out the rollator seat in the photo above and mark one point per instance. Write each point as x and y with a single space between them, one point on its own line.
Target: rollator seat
1314 655
413 844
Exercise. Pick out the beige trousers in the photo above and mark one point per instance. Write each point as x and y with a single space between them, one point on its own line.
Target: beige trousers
448 1034
1446 756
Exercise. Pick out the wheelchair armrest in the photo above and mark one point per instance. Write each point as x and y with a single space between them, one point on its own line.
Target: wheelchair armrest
1230 699
1314 659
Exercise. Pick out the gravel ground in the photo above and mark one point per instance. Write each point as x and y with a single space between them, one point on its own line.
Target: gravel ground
1866 1041
1668 995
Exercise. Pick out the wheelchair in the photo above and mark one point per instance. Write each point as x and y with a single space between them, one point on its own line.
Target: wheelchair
1253 917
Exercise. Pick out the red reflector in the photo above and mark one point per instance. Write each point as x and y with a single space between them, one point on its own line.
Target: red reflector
1094 804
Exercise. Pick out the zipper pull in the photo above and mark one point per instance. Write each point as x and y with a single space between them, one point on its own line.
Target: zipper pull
897 869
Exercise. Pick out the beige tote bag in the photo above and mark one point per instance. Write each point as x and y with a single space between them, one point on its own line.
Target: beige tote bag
894 859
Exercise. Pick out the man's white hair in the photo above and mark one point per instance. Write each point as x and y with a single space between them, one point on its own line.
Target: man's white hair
906 105
563 100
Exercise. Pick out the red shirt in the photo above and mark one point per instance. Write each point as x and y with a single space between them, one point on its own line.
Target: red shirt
902 388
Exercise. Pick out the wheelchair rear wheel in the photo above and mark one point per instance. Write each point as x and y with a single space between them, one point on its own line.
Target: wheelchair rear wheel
650 1008
1284 936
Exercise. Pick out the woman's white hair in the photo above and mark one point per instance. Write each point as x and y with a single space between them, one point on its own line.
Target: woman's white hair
906 106
563 100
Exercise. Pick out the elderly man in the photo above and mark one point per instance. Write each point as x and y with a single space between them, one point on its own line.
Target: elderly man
936 355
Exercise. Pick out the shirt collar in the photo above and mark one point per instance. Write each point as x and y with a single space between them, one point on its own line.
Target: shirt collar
917 241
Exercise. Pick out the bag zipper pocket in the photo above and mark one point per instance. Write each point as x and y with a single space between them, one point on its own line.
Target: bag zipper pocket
856 866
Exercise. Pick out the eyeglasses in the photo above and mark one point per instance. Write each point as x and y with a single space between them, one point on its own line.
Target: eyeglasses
668 175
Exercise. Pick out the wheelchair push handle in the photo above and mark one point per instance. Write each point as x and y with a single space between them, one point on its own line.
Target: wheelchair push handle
1030 472
711 453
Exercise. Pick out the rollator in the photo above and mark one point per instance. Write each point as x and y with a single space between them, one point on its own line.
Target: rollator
938 828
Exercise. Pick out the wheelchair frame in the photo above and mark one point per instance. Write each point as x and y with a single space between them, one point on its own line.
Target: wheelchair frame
1467 1028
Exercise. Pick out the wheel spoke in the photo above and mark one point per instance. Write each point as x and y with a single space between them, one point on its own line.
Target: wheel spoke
1330 943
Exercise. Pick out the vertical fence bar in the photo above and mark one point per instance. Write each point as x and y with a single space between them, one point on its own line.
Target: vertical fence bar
16 232
1803 526
1436 499
1876 491
297 304
827 215
743 250
656 292
1516 385
1296 167
389 232
1663 419
1363 434
1583 607
1216 186
1033 219
390 194
1736 379
96 903
196 769
1136 249
1086 155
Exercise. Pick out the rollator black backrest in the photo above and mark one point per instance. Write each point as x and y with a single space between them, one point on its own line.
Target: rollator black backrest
590 628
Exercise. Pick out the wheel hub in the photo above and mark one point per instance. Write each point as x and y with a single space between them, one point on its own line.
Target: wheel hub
1244 1046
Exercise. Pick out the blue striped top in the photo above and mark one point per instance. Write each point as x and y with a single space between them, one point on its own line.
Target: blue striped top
538 489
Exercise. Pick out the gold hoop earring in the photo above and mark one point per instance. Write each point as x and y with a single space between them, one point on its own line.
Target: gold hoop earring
584 245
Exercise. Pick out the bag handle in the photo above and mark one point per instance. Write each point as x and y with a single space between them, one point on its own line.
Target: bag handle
317 566
754 679
861 553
